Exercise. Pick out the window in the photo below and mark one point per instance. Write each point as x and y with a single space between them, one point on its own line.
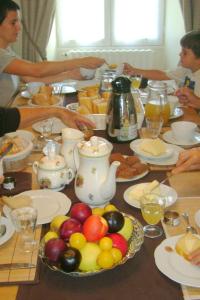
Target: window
109 23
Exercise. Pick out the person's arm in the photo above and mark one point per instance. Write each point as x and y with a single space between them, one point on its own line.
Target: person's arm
187 97
150 74
22 67
30 115
72 74
188 160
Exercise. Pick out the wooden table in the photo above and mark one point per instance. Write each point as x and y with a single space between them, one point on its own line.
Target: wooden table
10 292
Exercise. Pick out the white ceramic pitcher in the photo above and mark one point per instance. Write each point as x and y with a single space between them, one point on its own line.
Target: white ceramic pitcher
95 181
70 138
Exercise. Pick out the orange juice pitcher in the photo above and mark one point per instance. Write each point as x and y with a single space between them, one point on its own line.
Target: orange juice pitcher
157 105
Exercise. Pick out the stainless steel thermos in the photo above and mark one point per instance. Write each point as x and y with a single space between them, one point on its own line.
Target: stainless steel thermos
121 115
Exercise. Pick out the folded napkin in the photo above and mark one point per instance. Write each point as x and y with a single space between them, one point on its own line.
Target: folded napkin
23 182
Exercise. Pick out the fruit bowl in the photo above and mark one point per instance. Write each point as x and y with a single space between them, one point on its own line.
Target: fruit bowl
134 245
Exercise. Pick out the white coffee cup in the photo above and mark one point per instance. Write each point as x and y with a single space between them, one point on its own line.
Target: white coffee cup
183 131
173 103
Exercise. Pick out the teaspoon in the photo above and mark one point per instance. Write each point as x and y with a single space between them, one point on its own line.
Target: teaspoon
189 228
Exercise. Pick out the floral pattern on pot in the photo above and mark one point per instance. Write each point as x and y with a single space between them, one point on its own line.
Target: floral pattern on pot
79 181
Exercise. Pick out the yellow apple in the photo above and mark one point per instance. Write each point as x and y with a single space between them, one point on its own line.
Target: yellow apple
127 229
89 254
50 235
57 222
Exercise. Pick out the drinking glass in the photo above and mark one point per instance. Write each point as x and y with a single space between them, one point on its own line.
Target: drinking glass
152 208
154 126
24 219
47 126
136 81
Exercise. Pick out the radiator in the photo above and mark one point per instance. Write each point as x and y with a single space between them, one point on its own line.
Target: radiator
141 58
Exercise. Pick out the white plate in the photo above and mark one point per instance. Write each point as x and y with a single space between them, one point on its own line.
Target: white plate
164 190
135 146
197 218
178 112
168 137
175 266
57 126
132 178
168 161
59 103
9 230
48 204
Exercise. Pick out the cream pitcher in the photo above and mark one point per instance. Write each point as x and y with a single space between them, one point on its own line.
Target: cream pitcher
51 171
70 138
95 181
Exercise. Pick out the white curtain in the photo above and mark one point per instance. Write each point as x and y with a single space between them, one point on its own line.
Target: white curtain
37 20
191 14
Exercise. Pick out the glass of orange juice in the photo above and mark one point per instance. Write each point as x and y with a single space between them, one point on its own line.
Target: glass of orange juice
157 105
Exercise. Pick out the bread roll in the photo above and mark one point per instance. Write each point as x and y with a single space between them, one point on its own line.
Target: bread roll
46 89
17 201
41 99
187 244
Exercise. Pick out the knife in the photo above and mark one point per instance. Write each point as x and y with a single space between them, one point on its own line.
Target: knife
13 266
6 150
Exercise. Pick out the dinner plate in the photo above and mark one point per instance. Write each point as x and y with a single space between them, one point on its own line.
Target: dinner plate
164 190
48 204
178 112
119 179
9 230
168 137
197 218
64 87
167 161
175 266
135 146
57 126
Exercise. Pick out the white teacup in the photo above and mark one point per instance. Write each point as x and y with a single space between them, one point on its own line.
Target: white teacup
173 103
183 131
99 120
34 87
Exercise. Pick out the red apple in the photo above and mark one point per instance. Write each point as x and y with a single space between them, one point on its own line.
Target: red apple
68 227
94 228
80 211
119 242
54 248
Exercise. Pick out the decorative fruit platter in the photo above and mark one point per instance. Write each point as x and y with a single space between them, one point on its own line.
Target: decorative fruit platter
133 246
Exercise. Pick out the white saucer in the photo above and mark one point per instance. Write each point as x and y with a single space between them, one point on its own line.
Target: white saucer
168 137
9 230
178 112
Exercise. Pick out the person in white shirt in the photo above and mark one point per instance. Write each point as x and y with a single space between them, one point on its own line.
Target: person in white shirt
13 69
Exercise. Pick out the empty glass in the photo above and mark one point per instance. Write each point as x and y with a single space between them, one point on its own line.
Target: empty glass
152 208
154 126
24 219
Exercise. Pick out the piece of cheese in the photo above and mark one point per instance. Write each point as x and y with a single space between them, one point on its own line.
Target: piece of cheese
154 147
137 192
187 244
17 201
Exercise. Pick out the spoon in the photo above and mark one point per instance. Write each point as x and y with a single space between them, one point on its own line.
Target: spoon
2 230
189 228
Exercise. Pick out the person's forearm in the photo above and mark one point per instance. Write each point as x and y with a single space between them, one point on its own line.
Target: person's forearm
151 74
28 116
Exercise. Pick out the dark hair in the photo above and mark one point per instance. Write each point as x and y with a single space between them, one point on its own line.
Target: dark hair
191 40
5 6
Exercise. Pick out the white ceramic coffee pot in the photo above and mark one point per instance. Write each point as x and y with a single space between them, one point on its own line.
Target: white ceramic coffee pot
95 181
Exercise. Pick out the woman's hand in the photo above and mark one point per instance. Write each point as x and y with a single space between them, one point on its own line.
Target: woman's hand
188 160
128 69
75 120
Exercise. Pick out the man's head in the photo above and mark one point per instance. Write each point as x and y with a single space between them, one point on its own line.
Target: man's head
5 6
191 40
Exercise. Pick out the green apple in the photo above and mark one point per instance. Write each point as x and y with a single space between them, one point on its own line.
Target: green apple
127 229
89 254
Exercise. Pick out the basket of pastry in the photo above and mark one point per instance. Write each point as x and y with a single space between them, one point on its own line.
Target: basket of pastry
131 167
45 97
